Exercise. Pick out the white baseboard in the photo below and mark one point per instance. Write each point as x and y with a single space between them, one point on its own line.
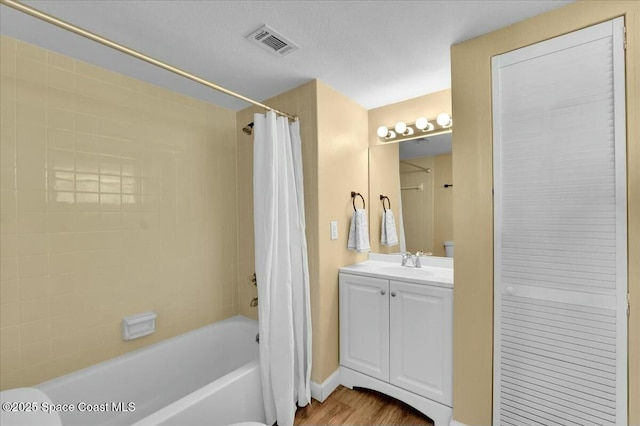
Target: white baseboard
454 423
320 392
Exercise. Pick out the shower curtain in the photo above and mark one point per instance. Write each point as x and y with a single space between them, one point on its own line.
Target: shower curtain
282 270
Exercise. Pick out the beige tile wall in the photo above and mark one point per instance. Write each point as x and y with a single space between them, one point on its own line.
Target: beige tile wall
117 197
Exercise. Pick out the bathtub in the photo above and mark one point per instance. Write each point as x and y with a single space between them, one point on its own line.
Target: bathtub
207 376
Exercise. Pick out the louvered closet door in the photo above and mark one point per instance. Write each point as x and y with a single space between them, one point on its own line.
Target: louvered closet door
560 320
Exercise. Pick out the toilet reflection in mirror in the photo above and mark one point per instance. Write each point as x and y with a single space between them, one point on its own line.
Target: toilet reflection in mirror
418 176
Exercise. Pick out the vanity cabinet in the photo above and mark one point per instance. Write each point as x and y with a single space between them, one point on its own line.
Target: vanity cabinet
364 325
420 333
396 337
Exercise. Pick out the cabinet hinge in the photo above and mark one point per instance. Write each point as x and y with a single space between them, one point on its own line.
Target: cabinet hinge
624 37
628 305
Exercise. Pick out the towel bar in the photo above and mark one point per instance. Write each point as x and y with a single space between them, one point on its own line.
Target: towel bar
382 198
353 198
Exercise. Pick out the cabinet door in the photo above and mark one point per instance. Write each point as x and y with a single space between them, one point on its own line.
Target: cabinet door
364 325
420 340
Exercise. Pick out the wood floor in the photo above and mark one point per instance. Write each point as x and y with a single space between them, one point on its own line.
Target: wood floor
359 407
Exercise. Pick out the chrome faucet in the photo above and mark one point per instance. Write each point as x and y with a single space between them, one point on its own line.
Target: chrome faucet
416 263
406 257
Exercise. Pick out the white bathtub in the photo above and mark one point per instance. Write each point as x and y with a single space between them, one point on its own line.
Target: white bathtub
207 376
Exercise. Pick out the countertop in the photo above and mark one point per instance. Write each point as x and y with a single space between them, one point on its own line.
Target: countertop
435 271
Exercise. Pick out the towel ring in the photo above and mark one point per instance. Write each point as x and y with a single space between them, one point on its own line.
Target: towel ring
384 197
353 198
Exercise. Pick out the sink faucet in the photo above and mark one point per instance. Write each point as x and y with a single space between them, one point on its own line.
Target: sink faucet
416 263
406 257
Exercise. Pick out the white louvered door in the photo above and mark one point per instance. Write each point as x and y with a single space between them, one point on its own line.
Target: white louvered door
560 253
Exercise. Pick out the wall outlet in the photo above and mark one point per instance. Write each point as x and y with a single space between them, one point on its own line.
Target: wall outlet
334 230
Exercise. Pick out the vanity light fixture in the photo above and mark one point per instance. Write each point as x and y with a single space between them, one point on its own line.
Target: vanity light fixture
403 131
424 125
385 133
444 120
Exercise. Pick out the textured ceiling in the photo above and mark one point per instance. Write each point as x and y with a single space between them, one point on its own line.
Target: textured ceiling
374 52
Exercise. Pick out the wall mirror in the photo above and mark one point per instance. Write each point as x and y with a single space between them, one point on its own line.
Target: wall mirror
416 175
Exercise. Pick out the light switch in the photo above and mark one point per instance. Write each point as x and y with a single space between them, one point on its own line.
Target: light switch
334 230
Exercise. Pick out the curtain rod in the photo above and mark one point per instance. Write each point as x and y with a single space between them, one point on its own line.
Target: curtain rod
91 36
416 166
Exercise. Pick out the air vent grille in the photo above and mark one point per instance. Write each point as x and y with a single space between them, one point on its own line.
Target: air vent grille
271 41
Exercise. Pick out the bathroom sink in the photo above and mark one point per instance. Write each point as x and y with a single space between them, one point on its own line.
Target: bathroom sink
406 271
434 271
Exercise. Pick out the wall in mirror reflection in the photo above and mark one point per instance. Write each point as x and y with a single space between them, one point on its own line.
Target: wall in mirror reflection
427 205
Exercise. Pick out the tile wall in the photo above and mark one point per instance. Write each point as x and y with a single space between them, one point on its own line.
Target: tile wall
116 197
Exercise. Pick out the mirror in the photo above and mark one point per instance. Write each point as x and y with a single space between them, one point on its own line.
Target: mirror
416 175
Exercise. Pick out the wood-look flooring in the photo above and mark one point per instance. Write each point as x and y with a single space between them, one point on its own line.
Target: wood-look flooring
359 407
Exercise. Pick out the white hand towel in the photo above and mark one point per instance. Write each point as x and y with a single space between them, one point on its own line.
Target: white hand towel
359 232
388 234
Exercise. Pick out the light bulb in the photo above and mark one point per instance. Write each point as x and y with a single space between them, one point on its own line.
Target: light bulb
423 124
444 120
383 131
401 127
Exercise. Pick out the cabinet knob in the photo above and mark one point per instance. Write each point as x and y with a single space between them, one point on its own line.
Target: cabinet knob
382 292
393 294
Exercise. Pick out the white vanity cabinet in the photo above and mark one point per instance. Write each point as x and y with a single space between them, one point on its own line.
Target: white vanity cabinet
420 332
396 338
364 325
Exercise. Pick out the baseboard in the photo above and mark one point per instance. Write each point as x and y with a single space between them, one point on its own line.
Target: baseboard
320 392
454 423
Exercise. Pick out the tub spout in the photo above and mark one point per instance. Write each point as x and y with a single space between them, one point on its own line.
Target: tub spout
254 302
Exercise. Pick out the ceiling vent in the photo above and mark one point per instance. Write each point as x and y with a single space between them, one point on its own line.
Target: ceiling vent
271 41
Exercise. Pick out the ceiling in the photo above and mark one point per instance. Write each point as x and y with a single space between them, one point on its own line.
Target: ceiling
374 52
425 146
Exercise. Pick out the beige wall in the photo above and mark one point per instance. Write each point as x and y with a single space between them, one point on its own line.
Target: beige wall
117 197
417 205
334 149
384 179
472 175
383 175
430 209
428 106
342 168
442 203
